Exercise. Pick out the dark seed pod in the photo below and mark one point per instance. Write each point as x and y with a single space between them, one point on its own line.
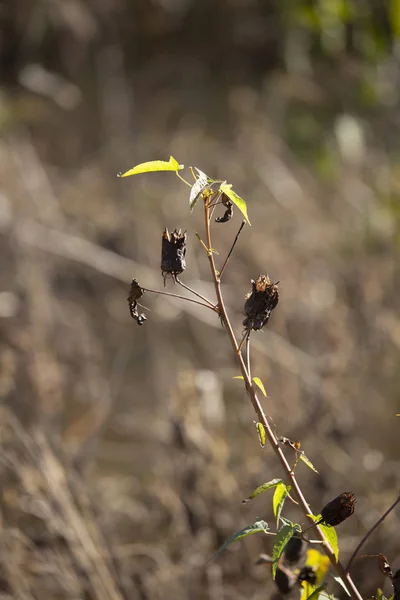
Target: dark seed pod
135 293
228 214
396 585
260 303
173 253
338 509
295 551
307 574
384 566
285 580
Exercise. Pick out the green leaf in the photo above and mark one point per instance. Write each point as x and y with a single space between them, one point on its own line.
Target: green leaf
249 530
281 539
226 188
201 184
309 464
280 495
340 581
260 384
153 166
238 377
330 534
262 488
261 434
314 595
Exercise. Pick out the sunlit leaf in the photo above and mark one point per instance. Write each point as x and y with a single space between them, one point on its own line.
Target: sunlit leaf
319 563
315 594
281 539
263 488
280 495
308 589
201 184
260 384
238 377
261 434
309 464
153 166
340 581
330 534
233 197
249 530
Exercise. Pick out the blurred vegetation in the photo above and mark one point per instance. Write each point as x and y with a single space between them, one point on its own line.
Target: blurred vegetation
126 451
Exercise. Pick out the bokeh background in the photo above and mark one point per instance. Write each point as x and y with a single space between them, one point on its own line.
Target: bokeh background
126 450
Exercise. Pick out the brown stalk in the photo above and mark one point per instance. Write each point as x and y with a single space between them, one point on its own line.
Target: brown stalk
296 490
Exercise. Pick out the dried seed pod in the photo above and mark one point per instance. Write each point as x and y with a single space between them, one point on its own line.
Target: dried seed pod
338 509
228 214
384 566
135 293
396 585
307 574
173 253
260 303
295 551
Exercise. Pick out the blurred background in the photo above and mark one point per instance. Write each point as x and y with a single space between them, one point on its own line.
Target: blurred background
126 450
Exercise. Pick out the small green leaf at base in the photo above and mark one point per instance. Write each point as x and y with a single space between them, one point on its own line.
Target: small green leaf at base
226 188
258 526
260 384
315 593
280 495
262 488
153 166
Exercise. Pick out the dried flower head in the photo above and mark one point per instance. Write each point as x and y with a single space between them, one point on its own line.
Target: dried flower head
308 575
338 509
260 302
135 293
295 551
173 253
228 214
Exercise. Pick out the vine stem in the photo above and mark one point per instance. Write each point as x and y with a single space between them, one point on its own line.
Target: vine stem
336 565
366 536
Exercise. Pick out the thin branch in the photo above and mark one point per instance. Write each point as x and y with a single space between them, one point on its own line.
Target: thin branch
193 292
231 250
296 490
211 307
248 354
366 536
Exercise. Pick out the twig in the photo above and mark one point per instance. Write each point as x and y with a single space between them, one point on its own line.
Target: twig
231 250
210 306
366 536
248 354
193 292
336 565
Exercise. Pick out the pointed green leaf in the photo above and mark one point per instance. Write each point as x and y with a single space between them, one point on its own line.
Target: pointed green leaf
315 594
249 530
330 534
281 539
238 377
261 434
260 384
262 488
340 581
153 166
279 498
201 184
309 464
226 188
